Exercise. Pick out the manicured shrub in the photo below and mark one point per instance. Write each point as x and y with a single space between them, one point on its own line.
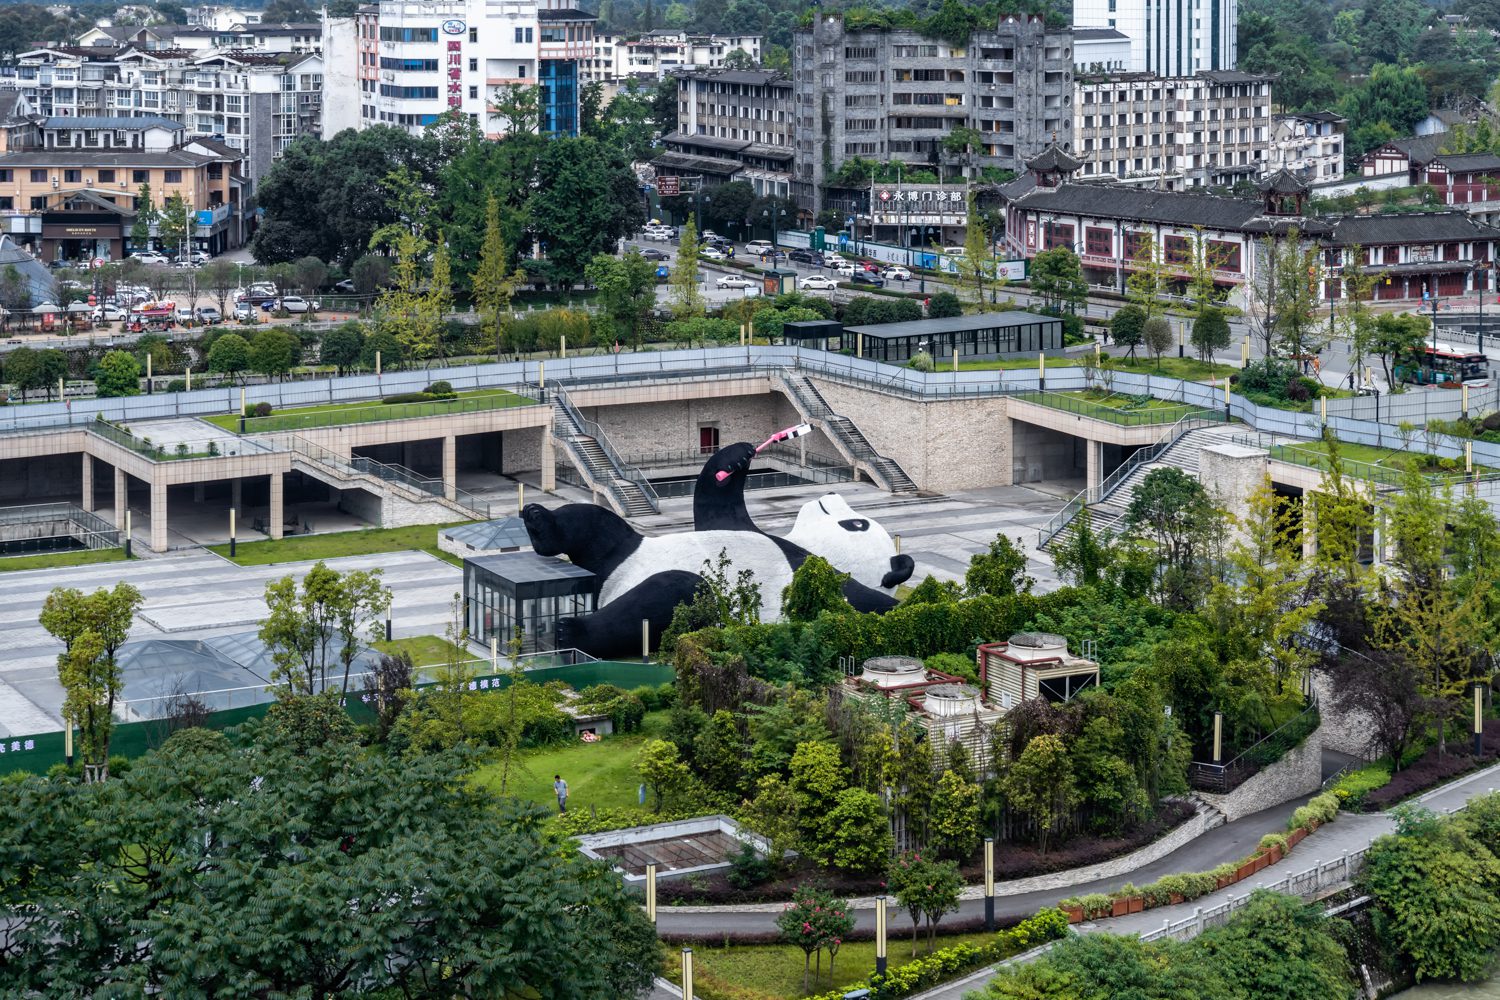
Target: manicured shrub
1271 840
409 397
440 388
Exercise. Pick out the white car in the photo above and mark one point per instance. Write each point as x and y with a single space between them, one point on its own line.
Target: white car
735 281
149 257
209 314
897 273
296 304
108 314
845 268
184 314
712 253
819 283
757 247
832 260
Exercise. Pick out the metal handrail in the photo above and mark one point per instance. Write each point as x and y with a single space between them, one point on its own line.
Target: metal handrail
1220 773
359 465
623 469
1150 417
1111 482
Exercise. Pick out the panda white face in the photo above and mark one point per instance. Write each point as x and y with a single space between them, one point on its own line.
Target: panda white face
852 544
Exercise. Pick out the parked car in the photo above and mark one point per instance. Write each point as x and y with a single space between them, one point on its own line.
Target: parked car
806 257
210 314
866 278
108 314
184 314
346 286
818 283
735 281
195 257
712 253
846 268
149 257
651 253
296 304
244 310
832 259
185 263
897 273
758 247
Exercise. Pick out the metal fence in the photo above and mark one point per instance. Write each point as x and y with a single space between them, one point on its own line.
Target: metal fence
88 530
1418 406
1309 882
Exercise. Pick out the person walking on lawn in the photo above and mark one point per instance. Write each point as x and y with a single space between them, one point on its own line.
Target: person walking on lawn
561 788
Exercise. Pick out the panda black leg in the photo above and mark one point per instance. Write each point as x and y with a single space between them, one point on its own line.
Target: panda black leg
614 631
863 598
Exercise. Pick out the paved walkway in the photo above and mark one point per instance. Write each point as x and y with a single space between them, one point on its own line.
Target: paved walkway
1350 832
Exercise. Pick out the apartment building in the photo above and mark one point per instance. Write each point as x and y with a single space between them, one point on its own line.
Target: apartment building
618 59
69 186
406 63
1309 145
1169 38
896 94
732 125
250 37
220 17
1210 129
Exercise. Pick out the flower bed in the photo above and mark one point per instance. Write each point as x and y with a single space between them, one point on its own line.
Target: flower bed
1171 889
1430 770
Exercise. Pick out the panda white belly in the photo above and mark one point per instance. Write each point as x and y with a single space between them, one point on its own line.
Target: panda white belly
689 550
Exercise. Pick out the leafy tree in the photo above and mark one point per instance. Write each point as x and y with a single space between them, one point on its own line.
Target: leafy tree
813 921
251 865
92 628
773 814
687 297
856 833
588 202
403 310
1298 277
1057 276
23 369
370 273
1439 891
627 290
924 887
230 355
493 282
1083 557
955 816
976 268
944 305
816 587
720 753
661 767
298 628
340 347
118 373
274 352
1128 326
1172 510
999 572
1040 786
1148 278
1210 333
173 223
1157 333
311 274
383 345
145 215
1398 339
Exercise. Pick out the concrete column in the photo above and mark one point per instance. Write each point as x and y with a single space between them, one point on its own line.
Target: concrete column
122 498
1095 463
407 450
198 492
88 482
158 515
276 511
235 499
1309 528
549 461
450 466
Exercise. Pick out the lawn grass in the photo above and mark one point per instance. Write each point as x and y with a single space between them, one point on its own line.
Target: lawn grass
364 542
1190 369
425 650
52 560
1364 461
774 972
333 414
599 774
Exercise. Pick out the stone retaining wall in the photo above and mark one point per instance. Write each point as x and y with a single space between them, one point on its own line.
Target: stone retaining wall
1298 773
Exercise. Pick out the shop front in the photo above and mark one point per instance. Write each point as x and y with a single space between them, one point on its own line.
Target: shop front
80 237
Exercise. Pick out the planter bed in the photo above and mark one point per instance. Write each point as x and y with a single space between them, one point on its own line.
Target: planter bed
1014 862
1430 770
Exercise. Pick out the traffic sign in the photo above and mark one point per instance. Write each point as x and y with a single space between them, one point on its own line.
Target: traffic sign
669 187
98 261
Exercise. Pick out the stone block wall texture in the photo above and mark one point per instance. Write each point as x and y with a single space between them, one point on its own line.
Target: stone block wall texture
948 445
1230 473
1345 732
521 450
1298 773
644 428
398 512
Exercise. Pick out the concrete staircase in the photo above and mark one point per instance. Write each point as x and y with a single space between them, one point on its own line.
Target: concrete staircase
843 432
1208 809
1107 514
626 488
336 470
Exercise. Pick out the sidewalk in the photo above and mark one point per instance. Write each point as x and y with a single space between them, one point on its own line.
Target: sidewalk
1349 833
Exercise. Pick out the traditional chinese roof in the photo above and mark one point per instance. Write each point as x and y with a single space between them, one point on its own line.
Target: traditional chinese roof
1283 181
1053 159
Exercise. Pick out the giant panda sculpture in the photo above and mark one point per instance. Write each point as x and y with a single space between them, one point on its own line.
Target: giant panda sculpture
852 544
645 578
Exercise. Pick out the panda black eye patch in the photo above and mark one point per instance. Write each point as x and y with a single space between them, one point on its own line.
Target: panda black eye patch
855 524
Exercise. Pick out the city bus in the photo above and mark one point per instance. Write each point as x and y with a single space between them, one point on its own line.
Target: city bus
1442 363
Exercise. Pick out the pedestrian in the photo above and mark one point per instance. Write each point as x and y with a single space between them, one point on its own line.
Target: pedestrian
561 788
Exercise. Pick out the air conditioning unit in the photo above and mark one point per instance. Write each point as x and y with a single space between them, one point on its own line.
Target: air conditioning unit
89 183
54 182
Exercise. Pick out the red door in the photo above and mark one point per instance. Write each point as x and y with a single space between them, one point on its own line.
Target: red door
708 440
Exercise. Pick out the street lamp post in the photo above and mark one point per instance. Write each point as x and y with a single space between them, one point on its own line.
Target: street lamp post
767 213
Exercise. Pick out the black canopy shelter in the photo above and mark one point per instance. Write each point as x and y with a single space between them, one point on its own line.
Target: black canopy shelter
984 335
525 591
822 334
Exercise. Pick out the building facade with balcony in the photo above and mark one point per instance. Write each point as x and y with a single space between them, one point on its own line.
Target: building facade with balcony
732 125
1168 37
69 186
617 59
1205 130
883 95
1309 145
1114 229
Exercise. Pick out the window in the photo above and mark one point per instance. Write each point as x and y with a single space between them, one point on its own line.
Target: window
140 176
1177 249
38 203
39 177
6 176
1137 245
73 176
473 35
473 65
409 93
410 34
473 92
410 65
7 204
1098 242
524 36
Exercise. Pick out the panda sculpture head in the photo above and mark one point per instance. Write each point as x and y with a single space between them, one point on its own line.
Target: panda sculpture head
852 544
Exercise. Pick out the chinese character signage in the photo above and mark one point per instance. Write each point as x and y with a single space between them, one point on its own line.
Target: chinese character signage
455 67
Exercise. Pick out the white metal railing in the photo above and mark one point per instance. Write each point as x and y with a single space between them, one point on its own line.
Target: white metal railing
621 468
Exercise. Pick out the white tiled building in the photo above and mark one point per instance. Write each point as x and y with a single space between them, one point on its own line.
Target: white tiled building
618 58
1309 145
1168 37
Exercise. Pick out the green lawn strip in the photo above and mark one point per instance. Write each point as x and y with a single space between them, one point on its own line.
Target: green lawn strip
772 972
231 421
51 560
599 774
425 650
363 542
1357 459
